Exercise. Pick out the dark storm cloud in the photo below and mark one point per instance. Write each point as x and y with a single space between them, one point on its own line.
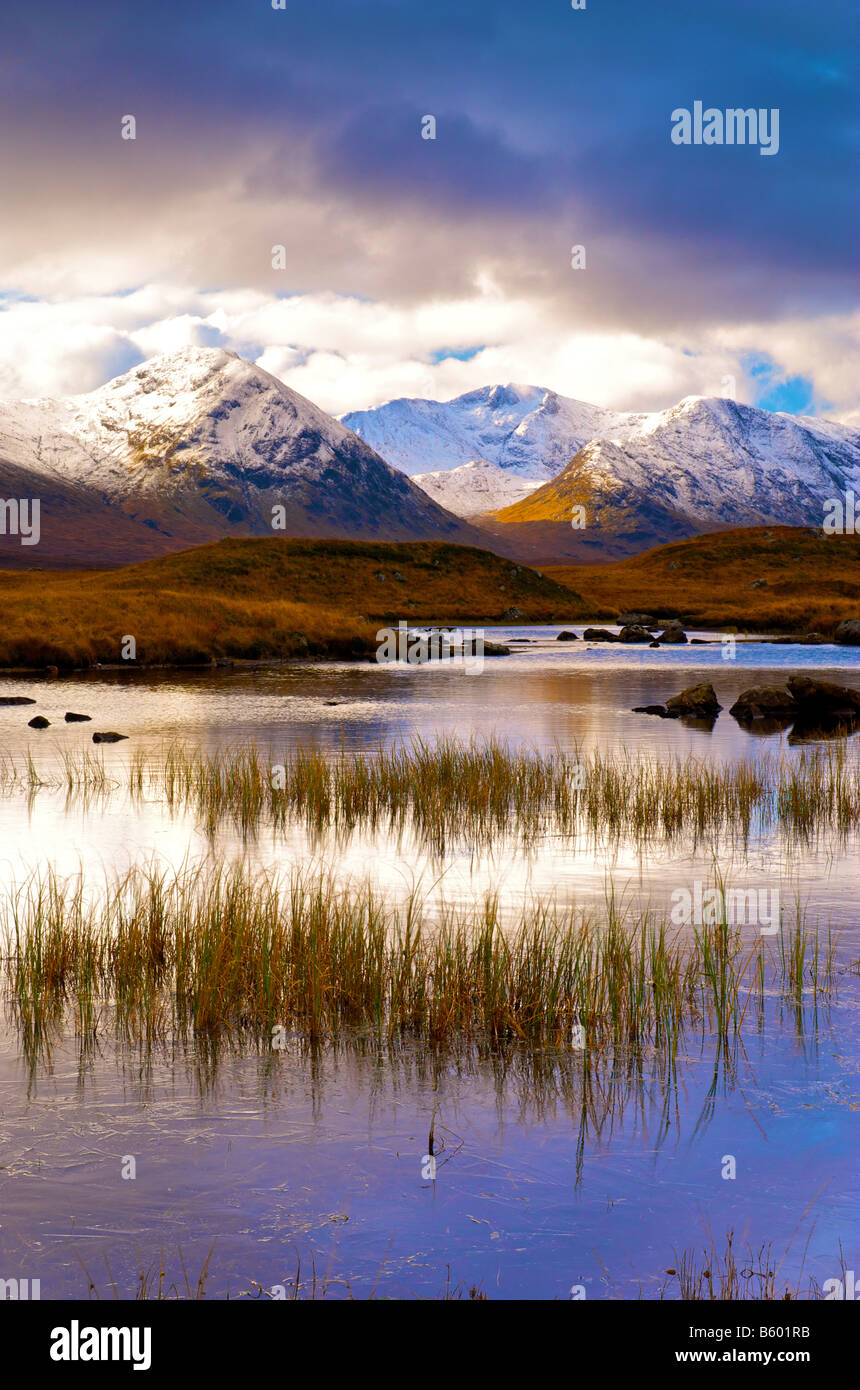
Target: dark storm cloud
548 119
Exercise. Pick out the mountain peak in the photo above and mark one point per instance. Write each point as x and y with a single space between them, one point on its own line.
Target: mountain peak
199 443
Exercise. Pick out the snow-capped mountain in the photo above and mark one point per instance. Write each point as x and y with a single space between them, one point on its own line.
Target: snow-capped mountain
191 446
525 430
475 487
705 464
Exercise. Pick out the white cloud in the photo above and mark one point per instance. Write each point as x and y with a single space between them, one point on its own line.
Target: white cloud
346 353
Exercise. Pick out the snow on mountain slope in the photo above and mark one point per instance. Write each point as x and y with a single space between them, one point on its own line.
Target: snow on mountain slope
474 487
720 463
703 465
525 430
200 443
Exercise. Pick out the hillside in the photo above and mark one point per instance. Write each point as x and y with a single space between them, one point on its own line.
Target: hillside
783 579
259 599
189 447
704 465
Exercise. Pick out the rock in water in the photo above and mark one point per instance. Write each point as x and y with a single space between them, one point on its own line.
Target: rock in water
16 700
823 697
634 632
636 620
848 633
567 637
696 699
108 738
599 634
40 722
71 718
673 634
763 702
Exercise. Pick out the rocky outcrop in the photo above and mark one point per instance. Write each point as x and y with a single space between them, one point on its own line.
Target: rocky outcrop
636 620
764 702
847 634
696 699
823 697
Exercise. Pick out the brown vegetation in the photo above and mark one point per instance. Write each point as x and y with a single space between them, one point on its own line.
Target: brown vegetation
258 599
810 581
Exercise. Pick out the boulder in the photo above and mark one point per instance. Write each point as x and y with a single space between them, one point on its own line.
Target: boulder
567 637
496 649
16 700
109 738
40 722
653 644
634 632
763 702
636 620
823 697
696 699
599 634
847 634
71 718
673 634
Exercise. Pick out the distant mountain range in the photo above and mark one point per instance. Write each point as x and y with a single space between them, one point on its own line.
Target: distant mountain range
187 448
199 444
704 464
508 437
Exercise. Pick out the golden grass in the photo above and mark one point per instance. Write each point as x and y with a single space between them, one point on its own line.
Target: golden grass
453 791
258 599
154 955
811 581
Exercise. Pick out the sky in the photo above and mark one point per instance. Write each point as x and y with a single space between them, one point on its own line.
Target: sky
429 267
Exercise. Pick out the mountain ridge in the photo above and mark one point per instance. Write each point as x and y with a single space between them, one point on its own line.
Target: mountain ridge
192 446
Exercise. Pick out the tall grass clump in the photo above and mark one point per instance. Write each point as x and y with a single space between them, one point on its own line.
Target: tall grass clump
449 790
215 951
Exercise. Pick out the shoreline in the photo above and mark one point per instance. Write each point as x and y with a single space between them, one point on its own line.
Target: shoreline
230 663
